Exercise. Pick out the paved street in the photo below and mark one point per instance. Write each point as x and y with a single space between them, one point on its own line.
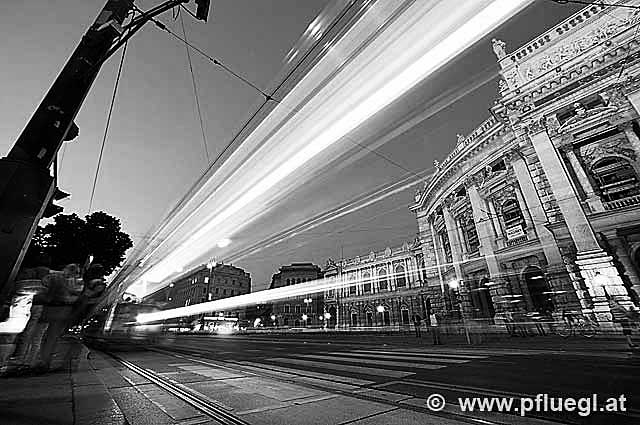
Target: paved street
267 380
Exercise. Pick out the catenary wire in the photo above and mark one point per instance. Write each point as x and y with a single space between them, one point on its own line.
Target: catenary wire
195 89
106 129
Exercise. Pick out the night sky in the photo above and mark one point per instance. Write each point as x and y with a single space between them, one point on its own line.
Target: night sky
154 151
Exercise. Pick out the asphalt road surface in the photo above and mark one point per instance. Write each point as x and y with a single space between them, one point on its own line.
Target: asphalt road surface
377 380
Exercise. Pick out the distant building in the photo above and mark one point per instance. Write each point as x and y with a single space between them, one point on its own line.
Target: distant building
385 288
292 311
203 284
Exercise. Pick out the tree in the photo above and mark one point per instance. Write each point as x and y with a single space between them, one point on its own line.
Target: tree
70 239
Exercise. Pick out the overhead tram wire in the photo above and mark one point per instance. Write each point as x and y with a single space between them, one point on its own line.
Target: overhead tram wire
195 89
281 84
595 3
106 129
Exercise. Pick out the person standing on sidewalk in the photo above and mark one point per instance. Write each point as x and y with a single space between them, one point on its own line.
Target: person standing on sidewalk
434 320
417 321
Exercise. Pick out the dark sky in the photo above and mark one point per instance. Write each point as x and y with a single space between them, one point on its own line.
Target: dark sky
154 151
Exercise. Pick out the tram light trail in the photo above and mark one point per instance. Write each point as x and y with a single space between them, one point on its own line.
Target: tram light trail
384 73
301 289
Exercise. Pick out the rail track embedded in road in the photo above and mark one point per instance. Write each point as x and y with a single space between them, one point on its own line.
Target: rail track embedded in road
179 391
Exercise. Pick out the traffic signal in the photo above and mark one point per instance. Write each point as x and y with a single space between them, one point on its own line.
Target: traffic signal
53 209
202 12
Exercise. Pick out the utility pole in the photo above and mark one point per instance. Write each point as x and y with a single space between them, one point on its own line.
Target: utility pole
26 185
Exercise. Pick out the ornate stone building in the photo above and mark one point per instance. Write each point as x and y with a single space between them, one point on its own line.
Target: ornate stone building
538 209
380 289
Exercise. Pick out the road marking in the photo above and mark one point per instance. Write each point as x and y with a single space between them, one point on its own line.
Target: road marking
375 362
337 378
423 354
438 359
344 368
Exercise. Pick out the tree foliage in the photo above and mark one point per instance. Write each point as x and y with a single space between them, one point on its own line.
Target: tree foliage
70 239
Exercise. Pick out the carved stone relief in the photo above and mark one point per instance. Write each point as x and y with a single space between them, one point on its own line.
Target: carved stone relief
618 147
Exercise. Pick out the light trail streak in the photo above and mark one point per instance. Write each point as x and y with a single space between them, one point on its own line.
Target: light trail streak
302 289
329 216
366 97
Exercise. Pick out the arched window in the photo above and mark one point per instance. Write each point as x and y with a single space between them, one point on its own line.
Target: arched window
615 178
471 235
366 278
512 214
401 280
382 279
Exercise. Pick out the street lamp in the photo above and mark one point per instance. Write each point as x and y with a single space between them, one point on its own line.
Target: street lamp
380 309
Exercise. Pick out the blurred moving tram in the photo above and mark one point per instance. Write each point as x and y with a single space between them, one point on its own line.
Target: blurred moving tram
119 328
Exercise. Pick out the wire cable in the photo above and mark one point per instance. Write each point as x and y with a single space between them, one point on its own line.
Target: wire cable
106 129
594 3
195 90
215 61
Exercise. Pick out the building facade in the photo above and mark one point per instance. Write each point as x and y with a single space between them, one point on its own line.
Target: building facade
204 283
298 311
538 209
386 288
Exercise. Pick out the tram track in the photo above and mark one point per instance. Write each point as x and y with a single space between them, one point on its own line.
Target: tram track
183 393
486 419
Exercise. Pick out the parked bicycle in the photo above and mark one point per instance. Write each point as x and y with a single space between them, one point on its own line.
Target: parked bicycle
577 325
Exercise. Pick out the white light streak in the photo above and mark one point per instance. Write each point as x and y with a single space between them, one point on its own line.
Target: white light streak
369 96
224 242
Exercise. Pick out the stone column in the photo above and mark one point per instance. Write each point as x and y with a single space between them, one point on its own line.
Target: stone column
593 199
487 246
456 252
536 210
596 267
436 248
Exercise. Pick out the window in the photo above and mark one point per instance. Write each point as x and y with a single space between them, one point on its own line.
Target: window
401 280
217 290
446 246
386 317
354 319
224 292
615 178
471 235
287 308
512 214
382 279
405 316
352 286
298 309
366 277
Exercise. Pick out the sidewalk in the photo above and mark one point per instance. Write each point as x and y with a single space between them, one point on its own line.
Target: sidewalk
72 395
